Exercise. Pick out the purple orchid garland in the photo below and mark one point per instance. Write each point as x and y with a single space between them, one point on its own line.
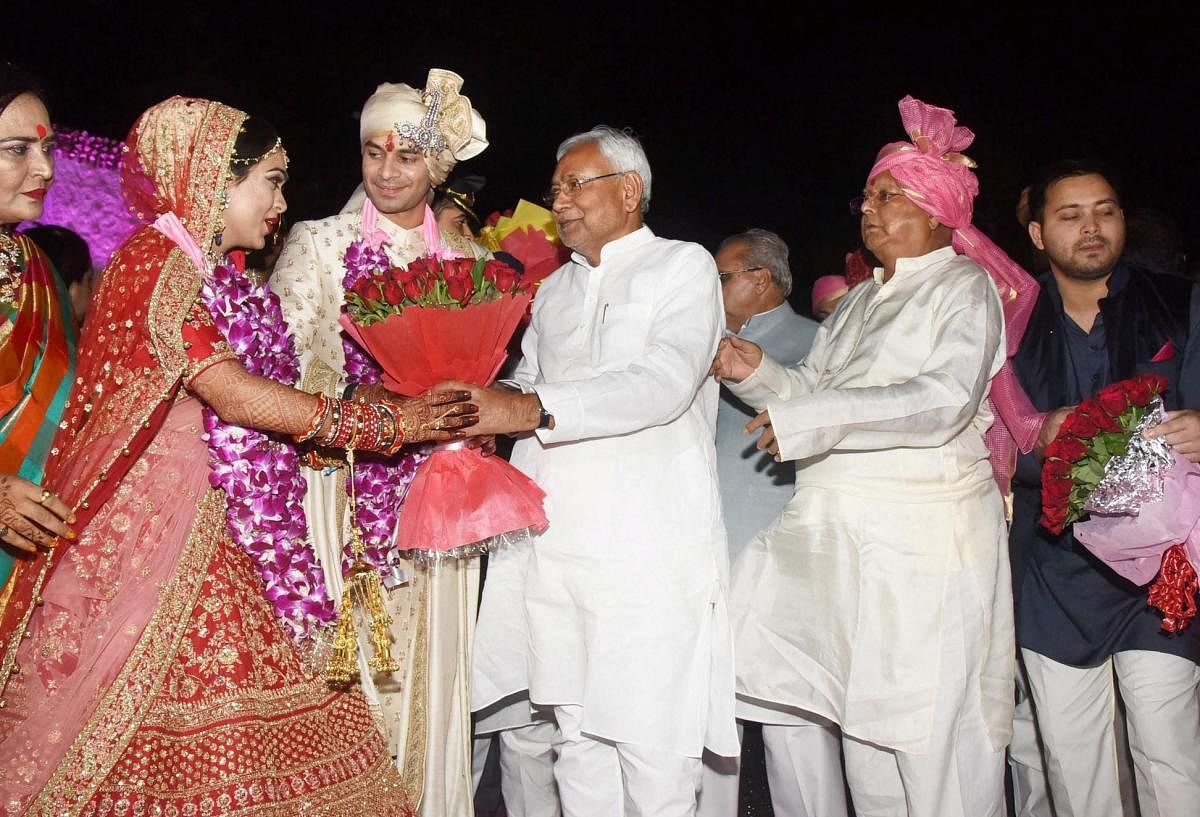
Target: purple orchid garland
260 473
379 484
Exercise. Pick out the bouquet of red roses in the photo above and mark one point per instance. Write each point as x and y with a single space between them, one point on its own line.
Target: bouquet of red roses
1141 499
442 319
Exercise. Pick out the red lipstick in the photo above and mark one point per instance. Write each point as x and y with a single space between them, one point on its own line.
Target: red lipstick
35 193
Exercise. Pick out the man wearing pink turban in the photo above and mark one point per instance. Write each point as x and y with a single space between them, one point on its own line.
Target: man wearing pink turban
938 178
827 291
895 624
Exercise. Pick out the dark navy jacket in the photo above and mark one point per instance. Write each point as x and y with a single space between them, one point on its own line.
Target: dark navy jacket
1069 606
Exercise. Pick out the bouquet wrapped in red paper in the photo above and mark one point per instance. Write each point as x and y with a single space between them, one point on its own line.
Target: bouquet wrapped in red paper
1141 499
446 319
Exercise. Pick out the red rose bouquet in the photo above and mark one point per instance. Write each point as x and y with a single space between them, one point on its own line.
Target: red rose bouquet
440 319
1141 499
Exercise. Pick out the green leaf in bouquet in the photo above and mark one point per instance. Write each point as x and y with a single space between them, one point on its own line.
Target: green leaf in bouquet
1087 471
477 273
1115 443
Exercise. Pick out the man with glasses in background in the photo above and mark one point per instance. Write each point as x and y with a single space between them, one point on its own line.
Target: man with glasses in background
614 618
803 757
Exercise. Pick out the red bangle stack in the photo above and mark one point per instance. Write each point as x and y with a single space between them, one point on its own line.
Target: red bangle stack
362 426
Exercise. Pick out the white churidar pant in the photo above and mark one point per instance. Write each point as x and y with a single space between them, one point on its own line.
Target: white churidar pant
527 770
804 773
1075 709
601 778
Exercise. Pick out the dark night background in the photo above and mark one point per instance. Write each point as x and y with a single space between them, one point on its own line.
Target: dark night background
749 116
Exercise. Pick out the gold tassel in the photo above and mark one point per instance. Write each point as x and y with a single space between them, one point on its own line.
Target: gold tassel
343 664
363 589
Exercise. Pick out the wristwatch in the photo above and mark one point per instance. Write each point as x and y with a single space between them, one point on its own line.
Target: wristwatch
544 417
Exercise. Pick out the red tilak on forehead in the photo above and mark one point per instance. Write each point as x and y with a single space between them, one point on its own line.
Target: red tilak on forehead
390 144
41 130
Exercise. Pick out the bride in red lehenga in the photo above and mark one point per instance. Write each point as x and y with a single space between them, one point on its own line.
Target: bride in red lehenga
145 672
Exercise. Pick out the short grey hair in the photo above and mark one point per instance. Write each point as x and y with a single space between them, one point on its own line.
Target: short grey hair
765 249
622 149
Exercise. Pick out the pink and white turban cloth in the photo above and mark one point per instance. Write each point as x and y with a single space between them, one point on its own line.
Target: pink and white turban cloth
937 177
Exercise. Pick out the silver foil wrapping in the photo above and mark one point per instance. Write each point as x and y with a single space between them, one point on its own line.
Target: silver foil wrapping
1137 477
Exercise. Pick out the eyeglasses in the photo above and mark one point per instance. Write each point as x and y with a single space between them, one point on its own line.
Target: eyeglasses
881 196
723 276
571 187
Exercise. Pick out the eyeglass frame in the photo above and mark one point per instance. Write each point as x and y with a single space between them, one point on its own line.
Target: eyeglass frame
722 277
882 196
574 186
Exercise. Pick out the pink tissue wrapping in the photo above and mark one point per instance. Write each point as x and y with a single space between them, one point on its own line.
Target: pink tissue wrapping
461 497
1133 546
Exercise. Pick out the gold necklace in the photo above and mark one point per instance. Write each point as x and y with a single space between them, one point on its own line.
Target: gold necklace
11 266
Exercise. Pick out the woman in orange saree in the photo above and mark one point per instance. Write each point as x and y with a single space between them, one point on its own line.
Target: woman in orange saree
145 668
37 334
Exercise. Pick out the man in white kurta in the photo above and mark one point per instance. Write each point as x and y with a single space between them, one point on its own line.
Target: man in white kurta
615 616
880 599
424 707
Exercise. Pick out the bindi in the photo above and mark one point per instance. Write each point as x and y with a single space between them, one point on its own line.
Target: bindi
390 144
41 131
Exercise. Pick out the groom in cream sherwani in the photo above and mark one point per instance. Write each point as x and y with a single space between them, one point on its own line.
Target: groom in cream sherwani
411 139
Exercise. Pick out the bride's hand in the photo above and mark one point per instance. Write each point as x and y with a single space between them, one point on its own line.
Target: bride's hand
736 359
437 415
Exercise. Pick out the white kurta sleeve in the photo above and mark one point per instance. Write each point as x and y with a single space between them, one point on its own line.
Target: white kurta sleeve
660 384
772 381
926 410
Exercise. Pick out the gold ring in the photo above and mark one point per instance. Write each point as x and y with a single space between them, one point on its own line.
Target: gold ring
4 529
45 496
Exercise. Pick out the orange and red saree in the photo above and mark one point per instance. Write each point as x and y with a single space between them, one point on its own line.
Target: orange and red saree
37 364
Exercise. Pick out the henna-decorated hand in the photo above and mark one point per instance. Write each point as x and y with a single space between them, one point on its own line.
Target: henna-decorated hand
375 393
437 415
501 410
30 516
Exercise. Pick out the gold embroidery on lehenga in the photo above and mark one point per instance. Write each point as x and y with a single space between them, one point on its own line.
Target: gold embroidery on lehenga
181 710
174 294
106 734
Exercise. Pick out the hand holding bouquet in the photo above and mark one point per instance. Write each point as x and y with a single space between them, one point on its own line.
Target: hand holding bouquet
1142 497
